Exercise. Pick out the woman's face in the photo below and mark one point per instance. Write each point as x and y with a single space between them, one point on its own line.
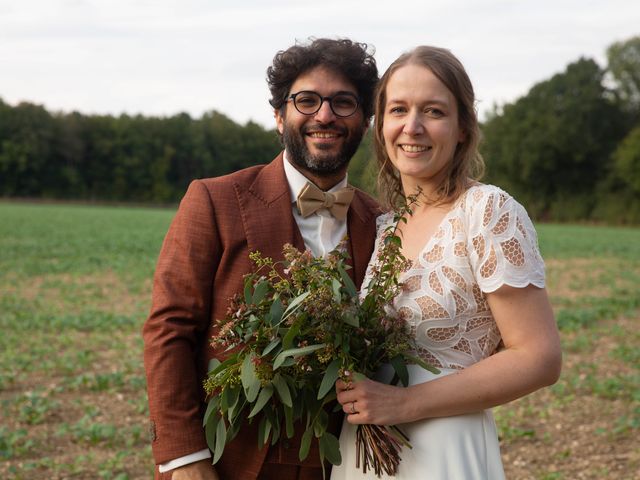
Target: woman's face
420 125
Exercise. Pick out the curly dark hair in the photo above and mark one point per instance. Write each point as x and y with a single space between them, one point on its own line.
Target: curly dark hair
349 58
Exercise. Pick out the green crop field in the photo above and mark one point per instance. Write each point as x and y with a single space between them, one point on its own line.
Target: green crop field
75 286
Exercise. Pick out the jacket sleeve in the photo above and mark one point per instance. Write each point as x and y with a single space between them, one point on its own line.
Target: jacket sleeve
178 321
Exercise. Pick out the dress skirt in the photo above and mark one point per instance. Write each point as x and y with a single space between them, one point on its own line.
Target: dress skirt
462 447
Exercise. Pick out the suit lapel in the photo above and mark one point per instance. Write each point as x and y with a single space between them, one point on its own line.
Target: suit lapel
361 229
265 208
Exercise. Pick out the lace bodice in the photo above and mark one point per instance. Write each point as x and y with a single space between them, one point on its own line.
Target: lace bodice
487 240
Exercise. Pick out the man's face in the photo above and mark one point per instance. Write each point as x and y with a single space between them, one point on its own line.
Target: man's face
322 143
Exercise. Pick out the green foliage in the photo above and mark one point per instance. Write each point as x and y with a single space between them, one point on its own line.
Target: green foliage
126 158
78 267
363 168
584 241
297 327
624 65
551 148
14 443
35 407
627 161
560 150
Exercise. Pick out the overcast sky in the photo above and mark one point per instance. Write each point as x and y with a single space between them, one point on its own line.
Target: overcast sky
159 57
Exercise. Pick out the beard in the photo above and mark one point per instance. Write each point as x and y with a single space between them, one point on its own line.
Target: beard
322 163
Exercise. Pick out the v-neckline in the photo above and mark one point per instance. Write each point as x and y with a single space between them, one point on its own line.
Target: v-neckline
416 261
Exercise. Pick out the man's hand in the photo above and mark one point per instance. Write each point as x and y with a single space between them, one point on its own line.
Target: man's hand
202 470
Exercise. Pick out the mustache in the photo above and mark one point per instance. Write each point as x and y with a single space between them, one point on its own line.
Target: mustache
320 128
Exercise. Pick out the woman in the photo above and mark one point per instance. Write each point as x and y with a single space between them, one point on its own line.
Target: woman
476 281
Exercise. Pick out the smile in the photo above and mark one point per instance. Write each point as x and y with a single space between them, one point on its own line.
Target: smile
414 148
323 135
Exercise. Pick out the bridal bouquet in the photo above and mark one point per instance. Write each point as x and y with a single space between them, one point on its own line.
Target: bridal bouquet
299 326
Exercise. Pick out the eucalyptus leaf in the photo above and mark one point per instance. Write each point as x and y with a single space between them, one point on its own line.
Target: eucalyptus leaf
260 291
288 420
348 283
321 423
336 286
263 435
330 377
276 434
288 362
265 394
235 411
330 448
305 444
247 289
233 401
401 369
225 399
253 392
274 420
267 432
233 429
212 406
296 352
276 311
351 319
294 305
287 340
283 390
221 366
211 429
213 363
274 343
221 439
422 363
250 381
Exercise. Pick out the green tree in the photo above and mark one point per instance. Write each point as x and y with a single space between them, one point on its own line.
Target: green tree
363 169
624 66
552 147
627 161
26 164
619 194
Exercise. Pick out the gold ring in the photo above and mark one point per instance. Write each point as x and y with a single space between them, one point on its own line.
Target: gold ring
353 407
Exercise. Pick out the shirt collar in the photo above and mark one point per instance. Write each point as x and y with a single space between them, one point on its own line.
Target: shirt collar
297 180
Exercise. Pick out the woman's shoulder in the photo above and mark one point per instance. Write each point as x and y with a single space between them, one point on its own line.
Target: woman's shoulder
486 201
480 193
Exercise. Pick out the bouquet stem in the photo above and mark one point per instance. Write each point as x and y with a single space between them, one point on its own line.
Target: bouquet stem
378 446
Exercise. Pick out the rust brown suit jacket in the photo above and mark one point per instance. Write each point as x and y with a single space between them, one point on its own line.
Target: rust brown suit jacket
201 265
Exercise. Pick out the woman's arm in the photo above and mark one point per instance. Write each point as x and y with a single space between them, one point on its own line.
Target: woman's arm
530 360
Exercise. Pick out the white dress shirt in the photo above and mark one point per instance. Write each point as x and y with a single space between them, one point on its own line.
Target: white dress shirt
321 233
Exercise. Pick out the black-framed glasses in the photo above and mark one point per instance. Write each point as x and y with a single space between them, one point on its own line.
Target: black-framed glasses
342 104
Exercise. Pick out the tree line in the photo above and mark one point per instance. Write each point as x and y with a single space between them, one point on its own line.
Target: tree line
125 158
569 149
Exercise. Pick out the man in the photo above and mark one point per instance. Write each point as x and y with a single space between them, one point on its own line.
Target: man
322 95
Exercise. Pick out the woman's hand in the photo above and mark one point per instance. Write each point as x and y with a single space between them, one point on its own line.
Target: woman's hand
369 402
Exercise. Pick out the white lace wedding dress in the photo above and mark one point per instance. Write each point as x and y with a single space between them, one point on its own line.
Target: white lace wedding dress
487 240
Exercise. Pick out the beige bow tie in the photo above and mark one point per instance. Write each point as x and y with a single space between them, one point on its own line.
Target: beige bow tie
311 199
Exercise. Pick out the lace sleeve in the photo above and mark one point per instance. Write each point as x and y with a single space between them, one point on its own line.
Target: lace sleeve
502 242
